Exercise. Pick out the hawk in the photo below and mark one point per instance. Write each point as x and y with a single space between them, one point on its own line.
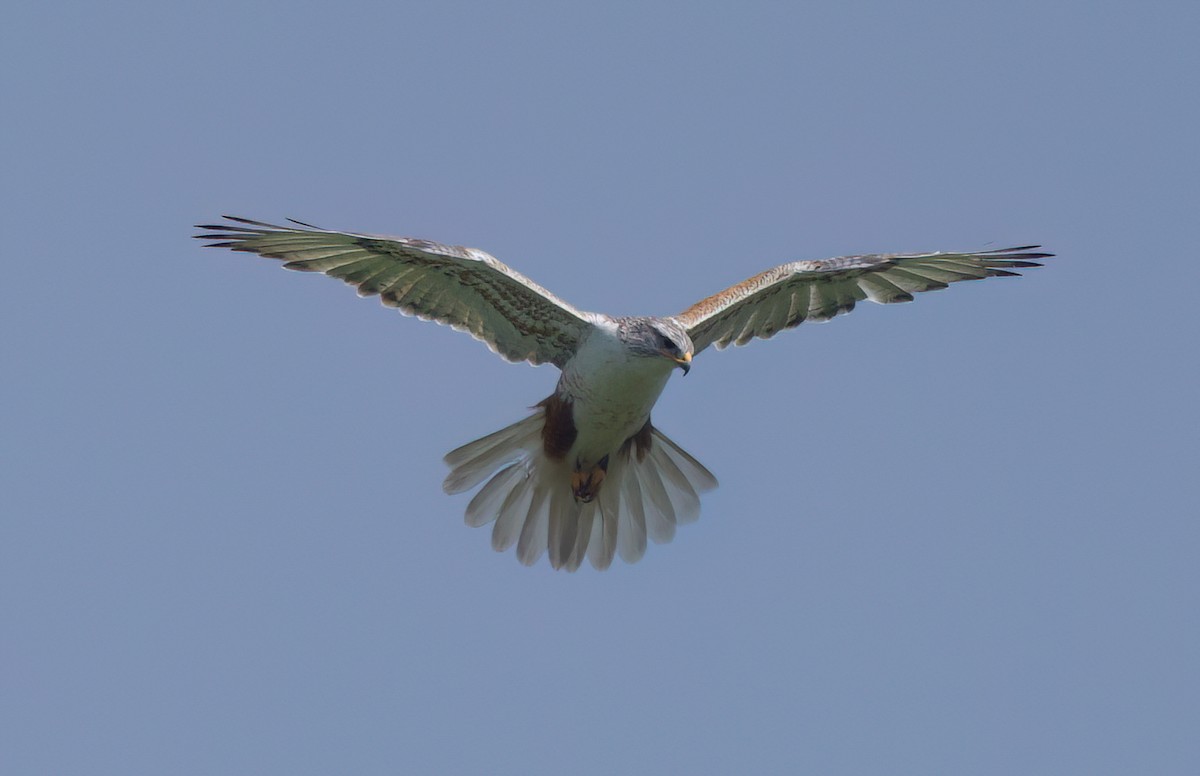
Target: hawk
587 474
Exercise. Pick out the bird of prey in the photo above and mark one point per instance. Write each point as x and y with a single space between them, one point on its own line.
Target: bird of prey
587 474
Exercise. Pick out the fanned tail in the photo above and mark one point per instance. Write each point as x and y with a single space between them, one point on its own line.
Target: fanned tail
647 492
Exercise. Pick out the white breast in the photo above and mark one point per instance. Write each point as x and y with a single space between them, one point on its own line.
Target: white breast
612 392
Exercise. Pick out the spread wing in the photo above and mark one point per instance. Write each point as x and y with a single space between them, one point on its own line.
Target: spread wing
790 294
464 288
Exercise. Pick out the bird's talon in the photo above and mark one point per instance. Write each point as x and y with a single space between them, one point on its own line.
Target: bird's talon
586 484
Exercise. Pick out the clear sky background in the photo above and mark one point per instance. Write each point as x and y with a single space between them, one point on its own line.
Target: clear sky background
956 536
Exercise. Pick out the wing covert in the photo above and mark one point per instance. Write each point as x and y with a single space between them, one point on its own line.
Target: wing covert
785 296
464 288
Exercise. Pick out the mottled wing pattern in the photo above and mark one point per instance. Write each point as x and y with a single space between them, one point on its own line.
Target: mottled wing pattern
790 294
464 288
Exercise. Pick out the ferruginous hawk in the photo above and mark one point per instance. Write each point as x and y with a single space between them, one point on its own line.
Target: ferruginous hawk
587 474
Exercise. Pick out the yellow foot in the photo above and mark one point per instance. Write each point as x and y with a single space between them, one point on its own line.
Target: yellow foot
586 484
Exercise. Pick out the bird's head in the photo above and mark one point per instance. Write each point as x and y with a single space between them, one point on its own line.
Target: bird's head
659 337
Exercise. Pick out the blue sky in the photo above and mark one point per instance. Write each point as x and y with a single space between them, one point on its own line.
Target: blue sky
956 536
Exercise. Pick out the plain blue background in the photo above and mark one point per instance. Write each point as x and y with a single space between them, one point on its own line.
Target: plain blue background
956 536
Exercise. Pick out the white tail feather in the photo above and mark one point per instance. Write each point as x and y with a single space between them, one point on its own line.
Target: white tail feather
484 508
601 553
474 461
683 477
695 472
660 515
631 535
565 527
536 533
583 537
528 496
512 515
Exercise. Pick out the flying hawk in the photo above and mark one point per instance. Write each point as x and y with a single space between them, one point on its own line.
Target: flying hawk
587 474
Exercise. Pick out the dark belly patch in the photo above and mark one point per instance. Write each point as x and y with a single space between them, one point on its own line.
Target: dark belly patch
559 432
640 442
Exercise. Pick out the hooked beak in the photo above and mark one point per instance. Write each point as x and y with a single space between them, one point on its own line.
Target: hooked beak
684 361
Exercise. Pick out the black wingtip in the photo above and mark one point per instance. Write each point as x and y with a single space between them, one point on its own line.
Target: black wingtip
240 220
1019 252
1015 249
243 228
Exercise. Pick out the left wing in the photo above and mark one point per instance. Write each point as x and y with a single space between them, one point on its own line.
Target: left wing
464 288
790 294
